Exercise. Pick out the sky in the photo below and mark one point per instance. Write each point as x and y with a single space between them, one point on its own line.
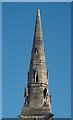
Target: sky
18 24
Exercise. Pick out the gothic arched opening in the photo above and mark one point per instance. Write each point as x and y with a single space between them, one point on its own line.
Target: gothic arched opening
44 103
36 51
37 78
45 91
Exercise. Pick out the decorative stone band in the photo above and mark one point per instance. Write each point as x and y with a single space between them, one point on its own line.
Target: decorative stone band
36 116
31 116
37 84
40 61
38 38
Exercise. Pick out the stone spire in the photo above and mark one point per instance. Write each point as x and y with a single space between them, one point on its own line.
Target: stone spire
37 99
38 65
38 29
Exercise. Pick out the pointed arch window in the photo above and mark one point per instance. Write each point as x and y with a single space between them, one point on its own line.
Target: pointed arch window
35 76
36 51
45 92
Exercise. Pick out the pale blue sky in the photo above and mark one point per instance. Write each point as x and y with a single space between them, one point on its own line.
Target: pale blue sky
18 22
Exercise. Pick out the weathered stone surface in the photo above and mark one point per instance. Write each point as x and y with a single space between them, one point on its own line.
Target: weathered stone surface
37 99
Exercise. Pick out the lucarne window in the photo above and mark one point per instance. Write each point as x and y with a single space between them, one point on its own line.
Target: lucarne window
35 76
36 51
45 91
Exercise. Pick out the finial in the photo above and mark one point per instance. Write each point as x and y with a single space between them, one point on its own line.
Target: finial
38 13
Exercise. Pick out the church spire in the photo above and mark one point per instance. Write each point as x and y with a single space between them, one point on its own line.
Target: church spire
37 99
38 28
37 64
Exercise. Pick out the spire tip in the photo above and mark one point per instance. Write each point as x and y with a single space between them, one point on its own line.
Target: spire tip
38 13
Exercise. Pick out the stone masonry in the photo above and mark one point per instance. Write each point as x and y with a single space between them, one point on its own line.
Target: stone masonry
37 98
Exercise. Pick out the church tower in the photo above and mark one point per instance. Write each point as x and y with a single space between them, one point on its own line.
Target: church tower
37 98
